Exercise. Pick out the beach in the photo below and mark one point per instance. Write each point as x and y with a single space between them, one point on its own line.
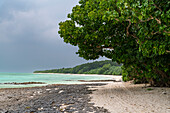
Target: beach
125 97
115 97
49 99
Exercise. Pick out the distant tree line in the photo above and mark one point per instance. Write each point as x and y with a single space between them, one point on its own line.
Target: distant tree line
106 67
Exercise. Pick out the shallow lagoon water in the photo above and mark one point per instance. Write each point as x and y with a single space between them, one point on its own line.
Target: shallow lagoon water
46 78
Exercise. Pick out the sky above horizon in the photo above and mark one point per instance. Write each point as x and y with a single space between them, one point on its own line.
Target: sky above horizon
29 38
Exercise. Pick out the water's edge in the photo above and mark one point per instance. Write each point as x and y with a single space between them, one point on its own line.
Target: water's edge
20 80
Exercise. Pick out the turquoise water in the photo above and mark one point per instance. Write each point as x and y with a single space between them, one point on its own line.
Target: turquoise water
47 78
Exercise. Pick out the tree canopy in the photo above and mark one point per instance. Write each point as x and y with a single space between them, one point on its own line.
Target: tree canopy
133 32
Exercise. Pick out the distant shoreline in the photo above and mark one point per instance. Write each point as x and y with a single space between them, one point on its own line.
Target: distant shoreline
79 74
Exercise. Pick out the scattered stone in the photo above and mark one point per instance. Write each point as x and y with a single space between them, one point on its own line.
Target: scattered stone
62 98
56 89
38 92
48 89
40 108
54 107
60 91
9 97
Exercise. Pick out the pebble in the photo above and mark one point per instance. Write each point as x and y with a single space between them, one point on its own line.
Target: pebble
40 108
60 91
56 89
48 89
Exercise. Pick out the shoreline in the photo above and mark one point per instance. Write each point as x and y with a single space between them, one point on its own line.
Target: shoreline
115 97
82 74
49 85
115 77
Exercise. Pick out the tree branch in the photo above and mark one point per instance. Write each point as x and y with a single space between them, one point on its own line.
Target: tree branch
167 51
127 29
158 21
147 19
157 6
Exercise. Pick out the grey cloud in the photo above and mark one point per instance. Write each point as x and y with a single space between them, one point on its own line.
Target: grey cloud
28 35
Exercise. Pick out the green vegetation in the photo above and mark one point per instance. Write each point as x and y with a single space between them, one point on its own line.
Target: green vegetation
106 67
133 32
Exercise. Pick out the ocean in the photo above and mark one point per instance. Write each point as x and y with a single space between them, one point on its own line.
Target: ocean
46 78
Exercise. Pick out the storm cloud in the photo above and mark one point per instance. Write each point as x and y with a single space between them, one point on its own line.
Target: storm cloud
29 37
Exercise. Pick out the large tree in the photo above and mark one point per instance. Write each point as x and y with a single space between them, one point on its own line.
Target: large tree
132 32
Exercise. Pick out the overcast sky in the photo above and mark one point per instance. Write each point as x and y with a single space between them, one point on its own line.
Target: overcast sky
29 37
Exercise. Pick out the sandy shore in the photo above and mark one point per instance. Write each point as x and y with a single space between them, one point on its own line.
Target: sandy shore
123 97
115 97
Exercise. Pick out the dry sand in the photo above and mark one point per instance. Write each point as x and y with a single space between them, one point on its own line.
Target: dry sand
123 97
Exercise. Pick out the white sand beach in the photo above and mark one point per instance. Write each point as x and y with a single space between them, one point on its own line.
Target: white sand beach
115 97
123 97
117 77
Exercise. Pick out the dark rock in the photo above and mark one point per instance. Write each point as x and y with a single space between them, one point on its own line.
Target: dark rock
73 98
